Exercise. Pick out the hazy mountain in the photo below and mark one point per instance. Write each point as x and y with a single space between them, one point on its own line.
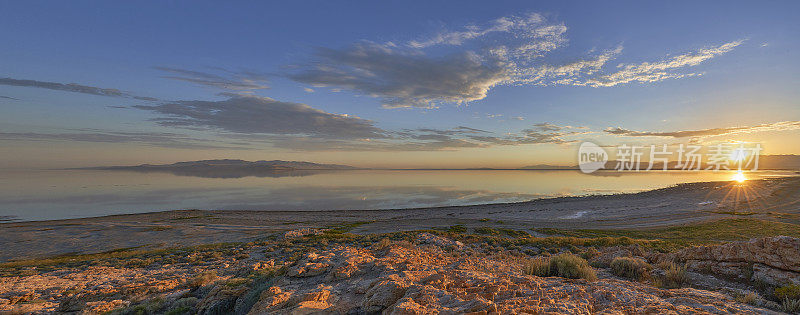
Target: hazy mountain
549 167
234 168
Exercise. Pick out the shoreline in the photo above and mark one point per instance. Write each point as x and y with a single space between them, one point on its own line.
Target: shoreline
679 204
589 196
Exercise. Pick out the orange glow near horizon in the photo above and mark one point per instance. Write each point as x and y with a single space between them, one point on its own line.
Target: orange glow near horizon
739 177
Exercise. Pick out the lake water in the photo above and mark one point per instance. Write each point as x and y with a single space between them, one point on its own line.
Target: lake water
61 194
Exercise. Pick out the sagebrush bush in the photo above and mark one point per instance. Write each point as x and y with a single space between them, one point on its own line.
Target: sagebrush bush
538 267
631 268
383 244
205 278
674 275
487 231
590 253
457 229
791 306
791 292
563 265
751 298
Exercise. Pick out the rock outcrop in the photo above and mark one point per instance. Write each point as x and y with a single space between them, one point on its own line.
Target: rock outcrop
772 260
423 274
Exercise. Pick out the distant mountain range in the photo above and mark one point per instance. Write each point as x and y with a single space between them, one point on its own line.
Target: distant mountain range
765 162
277 168
233 168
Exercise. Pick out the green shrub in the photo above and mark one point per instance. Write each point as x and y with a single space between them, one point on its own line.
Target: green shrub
590 253
571 266
514 233
538 267
791 292
145 308
235 282
631 268
383 244
674 275
562 265
791 306
751 298
207 277
487 230
457 229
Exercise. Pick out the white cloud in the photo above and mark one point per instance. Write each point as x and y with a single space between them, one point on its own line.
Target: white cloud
226 80
711 132
468 63
658 71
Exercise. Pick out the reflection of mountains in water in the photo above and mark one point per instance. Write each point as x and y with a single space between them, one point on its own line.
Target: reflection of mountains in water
234 168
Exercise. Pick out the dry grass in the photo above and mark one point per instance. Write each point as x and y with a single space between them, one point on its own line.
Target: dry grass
631 268
562 265
791 292
674 275
790 306
203 279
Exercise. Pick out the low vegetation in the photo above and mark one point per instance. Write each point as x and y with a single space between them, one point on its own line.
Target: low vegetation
789 296
751 298
487 231
674 276
562 265
672 238
631 268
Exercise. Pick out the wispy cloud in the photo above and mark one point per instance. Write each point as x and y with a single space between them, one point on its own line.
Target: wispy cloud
226 79
477 58
248 114
157 139
429 139
529 34
71 87
702 133
647 72
9 98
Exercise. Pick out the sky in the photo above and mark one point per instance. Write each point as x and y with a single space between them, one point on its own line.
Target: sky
401 84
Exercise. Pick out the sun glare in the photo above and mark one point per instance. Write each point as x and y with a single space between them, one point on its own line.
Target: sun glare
739 177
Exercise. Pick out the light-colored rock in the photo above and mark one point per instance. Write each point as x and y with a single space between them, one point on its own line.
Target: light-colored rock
428 238
731 270
384 293
780 252
772 260
774 277
308 270
394 278
302 232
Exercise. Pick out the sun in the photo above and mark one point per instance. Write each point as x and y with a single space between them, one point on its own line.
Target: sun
739 177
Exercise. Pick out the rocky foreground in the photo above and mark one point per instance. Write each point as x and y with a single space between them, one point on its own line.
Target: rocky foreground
314 272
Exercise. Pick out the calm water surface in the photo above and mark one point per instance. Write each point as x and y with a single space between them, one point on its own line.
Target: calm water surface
60 194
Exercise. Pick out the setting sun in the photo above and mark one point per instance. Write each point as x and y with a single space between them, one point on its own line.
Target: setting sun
739 177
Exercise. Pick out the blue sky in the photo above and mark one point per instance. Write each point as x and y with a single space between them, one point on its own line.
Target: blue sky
422 84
